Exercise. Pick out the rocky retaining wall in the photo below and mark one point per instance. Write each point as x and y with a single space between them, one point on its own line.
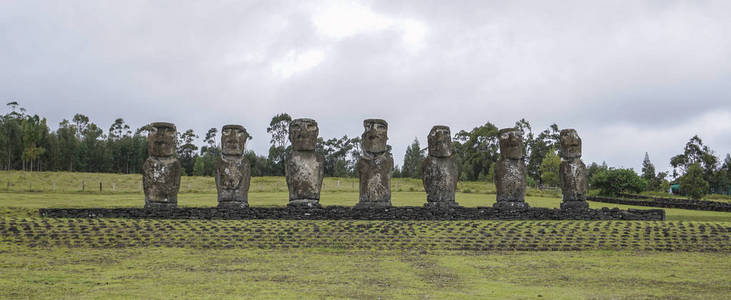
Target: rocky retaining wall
349 213
665 202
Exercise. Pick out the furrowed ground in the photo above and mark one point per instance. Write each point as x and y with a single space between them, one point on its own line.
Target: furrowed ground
686 256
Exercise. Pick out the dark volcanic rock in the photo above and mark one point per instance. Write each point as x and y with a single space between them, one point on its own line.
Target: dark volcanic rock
233 174
348 213
304 167
510 171
375 166
572 171
161 171
439 170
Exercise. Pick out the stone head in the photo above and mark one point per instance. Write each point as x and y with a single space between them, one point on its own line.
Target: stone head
511 143
303 134
570 144
440 141
375 135
161 139
233 139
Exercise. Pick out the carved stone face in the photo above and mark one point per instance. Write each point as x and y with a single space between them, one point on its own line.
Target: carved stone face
440 141
511 143
303 134
570 144
375 136
233 139
161 139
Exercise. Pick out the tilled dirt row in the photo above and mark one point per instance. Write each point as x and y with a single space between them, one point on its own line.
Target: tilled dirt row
377 235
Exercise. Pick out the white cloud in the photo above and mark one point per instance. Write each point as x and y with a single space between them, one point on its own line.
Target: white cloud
343 19
640 76
295 62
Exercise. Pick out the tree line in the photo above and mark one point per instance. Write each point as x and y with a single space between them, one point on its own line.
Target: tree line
27 143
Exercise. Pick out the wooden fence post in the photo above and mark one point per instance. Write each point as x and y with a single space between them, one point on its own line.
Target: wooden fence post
83 185
100 186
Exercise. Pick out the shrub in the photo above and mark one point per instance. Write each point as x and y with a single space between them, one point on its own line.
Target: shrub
611 182
692 183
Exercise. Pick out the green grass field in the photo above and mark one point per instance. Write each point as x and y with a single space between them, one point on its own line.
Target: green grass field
686 256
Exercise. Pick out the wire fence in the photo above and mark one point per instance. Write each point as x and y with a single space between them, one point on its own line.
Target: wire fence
106 183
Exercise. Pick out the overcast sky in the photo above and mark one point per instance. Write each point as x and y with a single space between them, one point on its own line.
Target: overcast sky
630 76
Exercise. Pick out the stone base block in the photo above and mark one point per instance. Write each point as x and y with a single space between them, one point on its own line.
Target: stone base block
510 205
574 205
161 205
381 204
306 203
233 205
442 205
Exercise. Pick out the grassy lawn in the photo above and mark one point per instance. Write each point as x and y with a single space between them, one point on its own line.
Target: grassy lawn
163 273
26 203
686 256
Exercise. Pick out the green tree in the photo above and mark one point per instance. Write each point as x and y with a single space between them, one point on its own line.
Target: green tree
612 182
199 167
186 150
33 129
121 146
695 152
527 131
724 177
593 170
413 160
209 154
476 151
12 135
80 121
68 145
537 148
396 172
549 168
279 130
337 153
692 183
93 150
654 181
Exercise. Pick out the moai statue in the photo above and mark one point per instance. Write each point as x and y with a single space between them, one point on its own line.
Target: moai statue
161 171
304 167
572 171
440 170
233 173
375 166
510 171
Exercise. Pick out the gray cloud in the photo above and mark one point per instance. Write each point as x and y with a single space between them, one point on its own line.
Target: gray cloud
630 77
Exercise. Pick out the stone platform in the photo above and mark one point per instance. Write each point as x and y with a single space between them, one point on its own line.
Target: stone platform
350 213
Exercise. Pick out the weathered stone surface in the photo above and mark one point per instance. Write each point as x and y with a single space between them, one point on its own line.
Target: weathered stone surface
440 141
161 171
348 213
375 166
439 170
510 171
304 167
233 174
572 171
303 134
375 136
